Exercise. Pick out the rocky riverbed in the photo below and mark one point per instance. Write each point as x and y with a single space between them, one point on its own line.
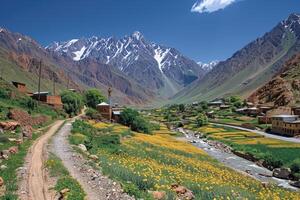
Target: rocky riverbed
224 154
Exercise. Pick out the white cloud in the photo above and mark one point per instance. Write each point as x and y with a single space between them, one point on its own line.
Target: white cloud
209 6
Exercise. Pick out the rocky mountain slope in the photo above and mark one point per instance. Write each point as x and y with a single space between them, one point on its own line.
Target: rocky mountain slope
152 65
19 57
250 67
283 89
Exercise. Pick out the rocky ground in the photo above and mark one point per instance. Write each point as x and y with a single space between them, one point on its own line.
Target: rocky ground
96 185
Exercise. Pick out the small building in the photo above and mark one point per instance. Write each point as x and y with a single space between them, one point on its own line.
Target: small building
44 97
286 125
224 107
21 87
217 103
248 111
296 110
116 115
105 110
266 113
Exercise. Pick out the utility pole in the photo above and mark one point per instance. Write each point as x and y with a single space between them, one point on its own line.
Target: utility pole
54 84
68 82
39 84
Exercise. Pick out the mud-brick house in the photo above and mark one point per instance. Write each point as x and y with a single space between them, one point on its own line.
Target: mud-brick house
296 110
286 125
46 98
268 112
21 87
105 110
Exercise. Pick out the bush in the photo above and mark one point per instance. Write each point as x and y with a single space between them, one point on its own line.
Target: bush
295 166
5 93
93 114
28 103
201 120
132 118
72 101
93 97
272 161
78 138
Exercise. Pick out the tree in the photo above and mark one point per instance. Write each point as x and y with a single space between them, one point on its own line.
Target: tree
181 107
201 120
93 97
72 102
132 118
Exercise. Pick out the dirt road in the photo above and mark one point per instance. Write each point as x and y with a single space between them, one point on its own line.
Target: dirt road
95 184
35 182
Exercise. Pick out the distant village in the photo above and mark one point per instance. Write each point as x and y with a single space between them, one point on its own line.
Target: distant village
284 120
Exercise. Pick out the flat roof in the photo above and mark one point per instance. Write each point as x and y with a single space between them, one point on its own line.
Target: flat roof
19 83
103 104
41 93
284 116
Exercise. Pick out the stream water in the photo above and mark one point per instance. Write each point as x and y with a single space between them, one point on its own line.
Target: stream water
235 162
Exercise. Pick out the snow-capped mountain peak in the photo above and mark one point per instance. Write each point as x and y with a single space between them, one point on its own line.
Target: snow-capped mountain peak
133 55
207 66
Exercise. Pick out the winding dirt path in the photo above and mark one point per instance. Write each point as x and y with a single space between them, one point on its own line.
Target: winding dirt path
35 179
95 184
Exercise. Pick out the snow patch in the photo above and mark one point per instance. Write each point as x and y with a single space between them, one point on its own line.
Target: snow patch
159 56
70 43
79 53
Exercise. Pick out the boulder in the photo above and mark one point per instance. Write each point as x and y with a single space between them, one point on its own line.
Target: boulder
13 150
159 195
283 173
9 126
82 147
27 131
63 193
3 167
189 195
180 190
94 157
295 184
1 182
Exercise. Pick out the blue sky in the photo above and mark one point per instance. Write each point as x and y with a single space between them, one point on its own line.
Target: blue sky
208 33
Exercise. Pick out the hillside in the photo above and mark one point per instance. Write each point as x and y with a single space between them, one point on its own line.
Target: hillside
19 61
250 67
284 88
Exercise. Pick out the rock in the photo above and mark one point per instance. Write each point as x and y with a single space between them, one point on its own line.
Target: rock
82 147
180 190
265 184
3 167
295 184
283 173
9 126
64 192
27 131
1 131
189 195
159 195
1 182
13 150
94 157
4 154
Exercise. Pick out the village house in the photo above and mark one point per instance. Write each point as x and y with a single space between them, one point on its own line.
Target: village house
286 125
296 110
21 87
266 113
51 100
217 103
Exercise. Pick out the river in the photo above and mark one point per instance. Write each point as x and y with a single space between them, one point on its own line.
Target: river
235 162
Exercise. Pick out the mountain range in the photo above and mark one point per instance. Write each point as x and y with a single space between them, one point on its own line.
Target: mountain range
142 72
156 67
249 68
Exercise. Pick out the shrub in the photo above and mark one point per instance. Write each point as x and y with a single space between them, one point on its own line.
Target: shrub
272 161
201 120
93 114
295 166
28 103
5 93
132 118
72 102
78 138
93 97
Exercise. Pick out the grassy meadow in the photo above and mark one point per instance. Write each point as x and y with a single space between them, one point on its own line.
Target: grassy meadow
143 162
